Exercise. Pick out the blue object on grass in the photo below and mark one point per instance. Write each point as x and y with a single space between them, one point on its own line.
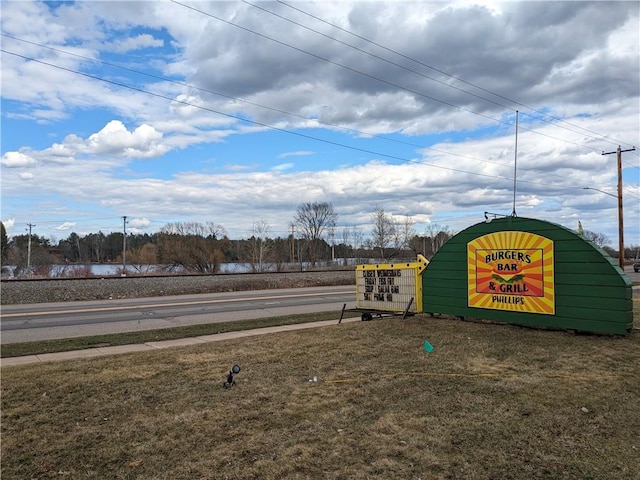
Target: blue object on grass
428 347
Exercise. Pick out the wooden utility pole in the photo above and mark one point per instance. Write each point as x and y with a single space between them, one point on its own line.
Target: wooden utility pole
293 245
618 152
30 225
124 247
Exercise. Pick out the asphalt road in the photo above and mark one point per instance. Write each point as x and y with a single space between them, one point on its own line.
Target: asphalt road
45 321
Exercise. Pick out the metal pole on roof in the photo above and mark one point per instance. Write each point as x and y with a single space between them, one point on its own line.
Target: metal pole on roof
515 168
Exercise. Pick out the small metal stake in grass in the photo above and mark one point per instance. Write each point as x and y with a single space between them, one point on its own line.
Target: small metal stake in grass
428 347
230 382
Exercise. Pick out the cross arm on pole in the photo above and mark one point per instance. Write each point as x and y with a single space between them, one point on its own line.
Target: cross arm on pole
618 153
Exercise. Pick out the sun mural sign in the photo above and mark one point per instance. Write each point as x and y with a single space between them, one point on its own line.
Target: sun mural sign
513 271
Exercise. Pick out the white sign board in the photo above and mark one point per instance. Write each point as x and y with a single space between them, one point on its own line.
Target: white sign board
386 289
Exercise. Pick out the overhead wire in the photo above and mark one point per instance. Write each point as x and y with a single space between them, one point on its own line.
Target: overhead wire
390 62
283 130
315 138
598 136
248 102
373 77
354 47
512 109
383 59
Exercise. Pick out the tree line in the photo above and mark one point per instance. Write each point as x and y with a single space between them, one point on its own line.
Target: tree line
195 247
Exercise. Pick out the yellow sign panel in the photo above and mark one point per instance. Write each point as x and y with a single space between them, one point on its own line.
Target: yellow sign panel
511 271
390 286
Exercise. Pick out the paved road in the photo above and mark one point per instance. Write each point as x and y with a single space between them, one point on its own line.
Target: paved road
34 322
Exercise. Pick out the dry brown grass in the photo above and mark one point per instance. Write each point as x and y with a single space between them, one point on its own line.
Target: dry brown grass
490 402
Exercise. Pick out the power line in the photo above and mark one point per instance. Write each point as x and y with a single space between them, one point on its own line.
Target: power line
328 60
236 117
277 110
269 126
354 47
298 134
248 102
347 129
598 135
373 77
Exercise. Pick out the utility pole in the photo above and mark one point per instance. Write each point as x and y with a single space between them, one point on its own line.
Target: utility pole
124 247
332 236
293 245
30 225
618 152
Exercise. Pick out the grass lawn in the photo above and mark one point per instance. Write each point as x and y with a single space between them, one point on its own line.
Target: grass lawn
490 402
144 336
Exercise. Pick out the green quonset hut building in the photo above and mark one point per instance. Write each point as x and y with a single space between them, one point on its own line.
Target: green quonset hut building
529 272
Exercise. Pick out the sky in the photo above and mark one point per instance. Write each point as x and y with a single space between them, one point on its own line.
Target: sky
237 112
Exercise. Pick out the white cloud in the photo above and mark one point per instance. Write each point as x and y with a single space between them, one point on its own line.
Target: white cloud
140 223
136 43
144 141
66 226
282 167
9 223
299 153
17 160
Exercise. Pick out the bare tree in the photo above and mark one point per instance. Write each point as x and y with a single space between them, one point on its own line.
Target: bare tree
352 240
345 239
40 261
600 239
97 245
332 241
358 237
208 229
312 219
215 230
404 232
144 259
437 236
384 230
191 245
260 246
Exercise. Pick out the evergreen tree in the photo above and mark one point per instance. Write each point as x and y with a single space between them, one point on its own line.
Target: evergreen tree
4 244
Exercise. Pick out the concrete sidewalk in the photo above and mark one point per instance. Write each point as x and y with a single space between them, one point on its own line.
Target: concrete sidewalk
149 346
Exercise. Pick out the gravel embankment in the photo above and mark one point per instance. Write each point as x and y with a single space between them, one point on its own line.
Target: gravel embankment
39 291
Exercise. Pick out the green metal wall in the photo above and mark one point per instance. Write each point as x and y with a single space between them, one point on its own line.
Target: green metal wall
592 293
